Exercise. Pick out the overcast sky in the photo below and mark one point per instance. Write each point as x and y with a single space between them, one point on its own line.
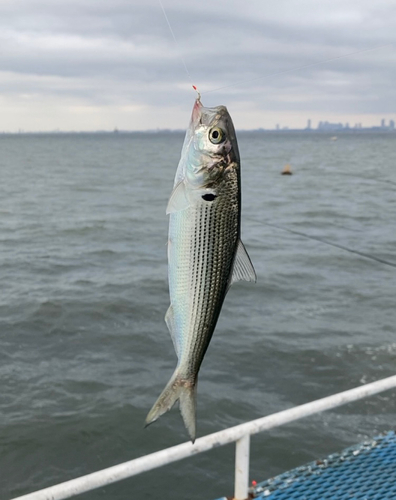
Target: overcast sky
97 65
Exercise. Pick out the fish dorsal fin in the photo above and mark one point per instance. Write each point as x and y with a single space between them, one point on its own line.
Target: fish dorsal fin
170 323
243 268
178 199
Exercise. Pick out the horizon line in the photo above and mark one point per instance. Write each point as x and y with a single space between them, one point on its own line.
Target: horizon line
373 128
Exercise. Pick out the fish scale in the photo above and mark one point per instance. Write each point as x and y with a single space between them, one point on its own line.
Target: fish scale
212 259
205 253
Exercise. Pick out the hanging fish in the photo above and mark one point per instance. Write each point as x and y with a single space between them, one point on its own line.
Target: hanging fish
205 252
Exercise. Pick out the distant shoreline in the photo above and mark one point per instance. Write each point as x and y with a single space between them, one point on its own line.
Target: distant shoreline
362 130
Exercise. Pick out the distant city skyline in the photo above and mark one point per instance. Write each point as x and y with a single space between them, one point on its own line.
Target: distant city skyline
383 124
323 126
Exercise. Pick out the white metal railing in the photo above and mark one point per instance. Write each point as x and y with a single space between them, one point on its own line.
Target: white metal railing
240 434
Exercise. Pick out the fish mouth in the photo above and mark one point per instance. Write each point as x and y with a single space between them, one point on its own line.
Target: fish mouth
208 117
196 113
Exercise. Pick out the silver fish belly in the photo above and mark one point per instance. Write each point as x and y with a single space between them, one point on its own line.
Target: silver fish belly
205 253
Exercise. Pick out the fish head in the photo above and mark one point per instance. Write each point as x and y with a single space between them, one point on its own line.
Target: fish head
214 144
209 147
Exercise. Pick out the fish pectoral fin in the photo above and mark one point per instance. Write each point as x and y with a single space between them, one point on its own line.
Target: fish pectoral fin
170 323
243 269
178 199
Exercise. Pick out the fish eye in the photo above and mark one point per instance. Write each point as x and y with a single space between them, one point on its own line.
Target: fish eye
216 135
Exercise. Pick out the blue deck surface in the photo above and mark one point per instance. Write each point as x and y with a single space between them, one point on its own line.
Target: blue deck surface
363 472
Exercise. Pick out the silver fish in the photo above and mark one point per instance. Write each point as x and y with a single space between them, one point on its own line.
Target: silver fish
205 253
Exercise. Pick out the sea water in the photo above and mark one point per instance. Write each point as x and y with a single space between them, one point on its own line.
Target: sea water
84 349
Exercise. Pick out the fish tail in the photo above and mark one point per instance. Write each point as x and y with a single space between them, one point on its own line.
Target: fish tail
178 388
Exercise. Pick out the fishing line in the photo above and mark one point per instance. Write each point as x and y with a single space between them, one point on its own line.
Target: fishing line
177 44
314 238
374 179
298 68
326 242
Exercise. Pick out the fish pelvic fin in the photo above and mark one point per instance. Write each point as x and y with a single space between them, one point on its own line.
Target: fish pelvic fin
182 389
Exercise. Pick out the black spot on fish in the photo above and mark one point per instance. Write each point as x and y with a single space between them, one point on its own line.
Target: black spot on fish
209 197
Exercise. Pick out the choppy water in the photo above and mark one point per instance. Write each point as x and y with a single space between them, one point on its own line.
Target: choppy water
84 350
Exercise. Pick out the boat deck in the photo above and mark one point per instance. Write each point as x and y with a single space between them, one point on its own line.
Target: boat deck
363 472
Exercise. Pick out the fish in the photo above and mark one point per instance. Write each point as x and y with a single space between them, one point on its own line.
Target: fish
205 252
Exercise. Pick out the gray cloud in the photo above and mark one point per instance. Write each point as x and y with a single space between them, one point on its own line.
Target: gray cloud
120 56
